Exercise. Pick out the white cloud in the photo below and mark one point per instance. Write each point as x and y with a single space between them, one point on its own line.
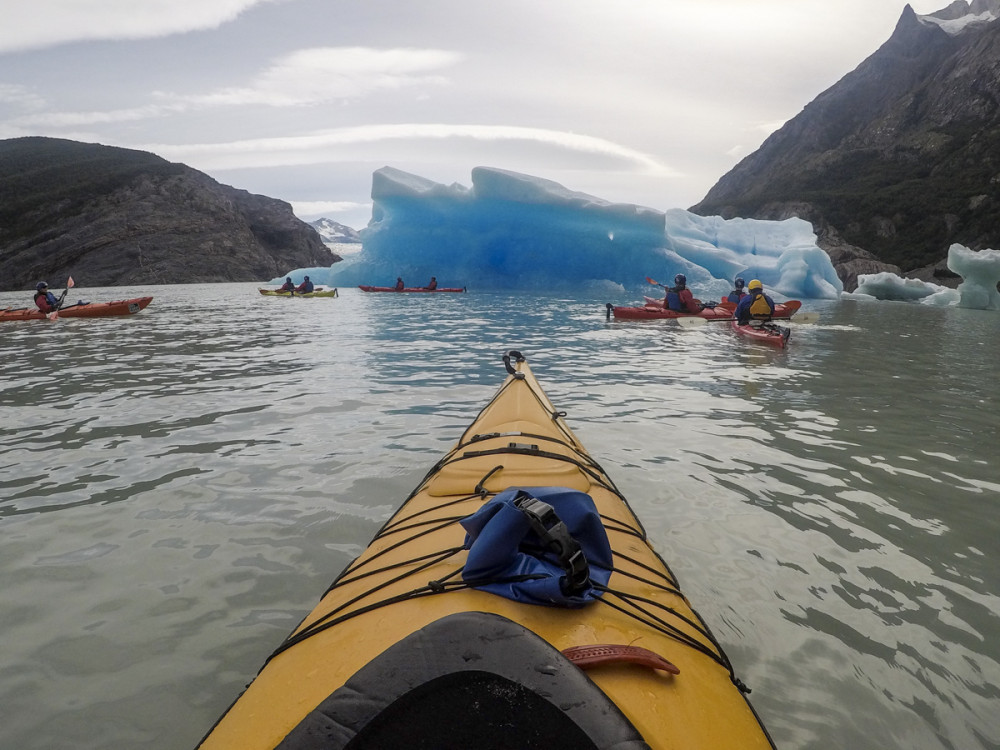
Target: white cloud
323 74
302 78
33 24
50 120
334 145
20 96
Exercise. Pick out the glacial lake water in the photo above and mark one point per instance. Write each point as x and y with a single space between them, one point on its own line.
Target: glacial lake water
178 488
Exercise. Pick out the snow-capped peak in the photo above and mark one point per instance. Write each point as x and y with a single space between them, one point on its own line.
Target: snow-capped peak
332 232
960 15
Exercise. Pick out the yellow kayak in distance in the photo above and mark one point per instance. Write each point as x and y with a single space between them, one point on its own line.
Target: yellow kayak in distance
512 601
317 292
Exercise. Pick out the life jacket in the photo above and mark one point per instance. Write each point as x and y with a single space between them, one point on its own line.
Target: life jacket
736 295
50 301
674 299
759 308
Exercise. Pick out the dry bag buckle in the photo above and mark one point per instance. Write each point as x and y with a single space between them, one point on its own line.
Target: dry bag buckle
555 538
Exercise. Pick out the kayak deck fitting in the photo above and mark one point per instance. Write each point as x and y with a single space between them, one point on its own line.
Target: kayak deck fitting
410 646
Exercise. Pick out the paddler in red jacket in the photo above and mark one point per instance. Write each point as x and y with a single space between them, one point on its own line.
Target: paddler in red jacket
44 299
679 297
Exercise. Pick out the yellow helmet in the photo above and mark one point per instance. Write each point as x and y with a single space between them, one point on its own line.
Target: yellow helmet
755 284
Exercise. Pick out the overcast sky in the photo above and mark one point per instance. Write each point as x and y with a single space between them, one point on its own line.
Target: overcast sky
634 101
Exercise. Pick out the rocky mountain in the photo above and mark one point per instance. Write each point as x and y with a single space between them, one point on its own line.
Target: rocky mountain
111 216
896 161
333 233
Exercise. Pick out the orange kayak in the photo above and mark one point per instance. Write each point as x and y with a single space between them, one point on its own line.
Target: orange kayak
81 310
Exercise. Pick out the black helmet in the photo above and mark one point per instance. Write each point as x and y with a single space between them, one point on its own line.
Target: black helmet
680 279
739 282
306 278
41 285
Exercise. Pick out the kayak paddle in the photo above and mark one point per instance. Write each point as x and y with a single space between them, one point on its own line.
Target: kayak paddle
54 315
654 282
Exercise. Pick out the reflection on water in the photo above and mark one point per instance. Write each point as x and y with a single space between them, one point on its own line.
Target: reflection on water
178 487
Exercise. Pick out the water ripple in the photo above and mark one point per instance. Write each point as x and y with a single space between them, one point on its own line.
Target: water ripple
177 489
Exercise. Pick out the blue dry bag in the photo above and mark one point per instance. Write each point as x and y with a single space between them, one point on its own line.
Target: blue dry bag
538 545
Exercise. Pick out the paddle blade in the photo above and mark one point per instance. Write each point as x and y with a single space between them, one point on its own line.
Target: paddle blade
654 282
52 315
70 283
806 317
691 322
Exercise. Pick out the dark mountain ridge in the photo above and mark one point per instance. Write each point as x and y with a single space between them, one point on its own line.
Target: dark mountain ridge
112 216
896 161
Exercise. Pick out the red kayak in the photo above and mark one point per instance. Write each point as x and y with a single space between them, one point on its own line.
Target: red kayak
81 310
364 288
767 333
782 310
658 312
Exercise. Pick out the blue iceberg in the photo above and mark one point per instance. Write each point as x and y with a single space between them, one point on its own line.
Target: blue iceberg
515 231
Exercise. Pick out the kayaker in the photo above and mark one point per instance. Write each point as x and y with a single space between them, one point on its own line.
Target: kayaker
755 305
306 286
433 283
45 300
679 297
400 286
288 286
738 293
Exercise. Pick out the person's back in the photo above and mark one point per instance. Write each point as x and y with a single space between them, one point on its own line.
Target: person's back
737 294
400 286
433 284
679 297
306 286
755 306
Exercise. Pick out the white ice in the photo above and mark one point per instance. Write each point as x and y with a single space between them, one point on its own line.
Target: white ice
980 272
515 231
